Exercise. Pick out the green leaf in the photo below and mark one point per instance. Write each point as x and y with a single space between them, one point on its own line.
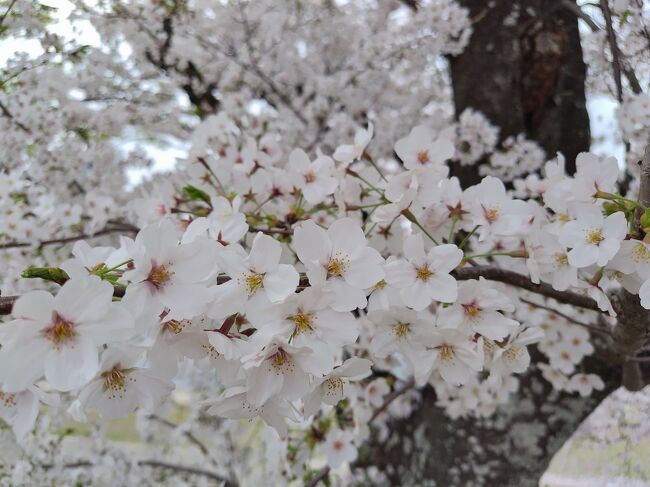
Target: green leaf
53 274
194 194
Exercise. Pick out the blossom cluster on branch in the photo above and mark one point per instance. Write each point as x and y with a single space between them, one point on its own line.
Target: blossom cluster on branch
312 288
311 263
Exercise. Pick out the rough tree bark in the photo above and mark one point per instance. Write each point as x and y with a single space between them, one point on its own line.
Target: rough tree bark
524 70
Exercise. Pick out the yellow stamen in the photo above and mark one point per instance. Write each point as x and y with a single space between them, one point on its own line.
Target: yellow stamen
561 259
423 273
159 275
471 309
61 331
336 267
310 177
423 157
491 214
174 326
447 353
401 329
115 382
594 236
253 283
303 323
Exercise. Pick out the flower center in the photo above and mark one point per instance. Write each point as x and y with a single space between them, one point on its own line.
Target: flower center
159 275
253 282
280 360
447 353
173 327
114 382
640 253
334 385
561 259
423 157
471 309
336 267
594 236
491 214
303 323
61 331
512 353
338 446
310 177
401 329
423 273
8 400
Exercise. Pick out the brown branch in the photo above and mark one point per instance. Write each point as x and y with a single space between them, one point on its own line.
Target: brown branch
567 317
613 45
7 302
524 282
578 12
633 328
5 111
488 272
191 470
575 9
160 464
4 15
390 398
106 231
188 434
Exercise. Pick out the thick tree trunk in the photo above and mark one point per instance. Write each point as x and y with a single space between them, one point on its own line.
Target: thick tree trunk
523 69
511 448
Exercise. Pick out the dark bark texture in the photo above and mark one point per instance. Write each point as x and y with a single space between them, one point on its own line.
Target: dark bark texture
511 448
523 69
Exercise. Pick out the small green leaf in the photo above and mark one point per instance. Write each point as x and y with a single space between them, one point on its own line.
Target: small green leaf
53 274
194 193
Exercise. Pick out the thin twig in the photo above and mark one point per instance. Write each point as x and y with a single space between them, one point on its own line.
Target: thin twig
160 464
5 111
188 434
64 240
4 15
613 45
581 14
567 317
578 12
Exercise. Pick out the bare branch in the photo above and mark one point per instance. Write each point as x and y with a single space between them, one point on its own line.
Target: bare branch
524 282
5 111
578 12
4 15
122 228
633 328
488 272
567 317
613 45
581 14
160 464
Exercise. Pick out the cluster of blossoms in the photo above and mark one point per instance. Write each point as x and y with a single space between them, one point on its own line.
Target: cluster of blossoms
317 289
320 288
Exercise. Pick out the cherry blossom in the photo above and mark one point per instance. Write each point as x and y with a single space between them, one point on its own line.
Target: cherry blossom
59 336
340 260
424 277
